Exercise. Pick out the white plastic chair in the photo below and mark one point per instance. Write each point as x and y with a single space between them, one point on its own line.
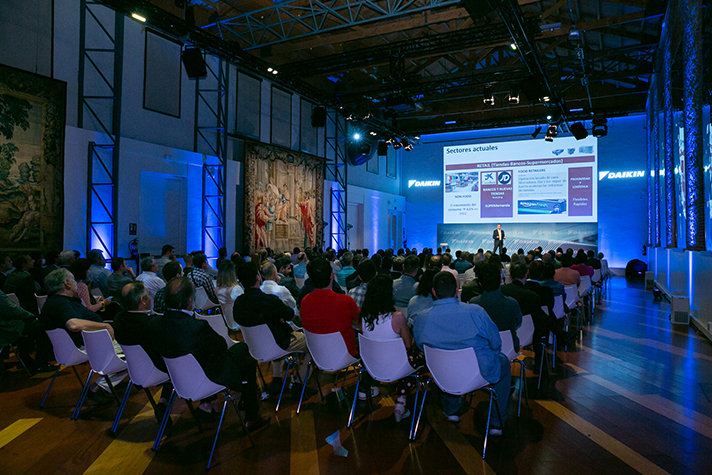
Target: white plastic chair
66 354
584 290
229 318
264 348
13 298
329 353
572 301
202 302
41 299
458 372
387 361
559 311
513 356
142 372
299 281
103 361
218 325
191 383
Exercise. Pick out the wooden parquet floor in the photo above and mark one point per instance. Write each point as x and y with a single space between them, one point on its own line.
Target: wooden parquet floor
631 397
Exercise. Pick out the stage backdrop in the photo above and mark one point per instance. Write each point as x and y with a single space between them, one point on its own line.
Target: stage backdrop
32 117
283 198
470 237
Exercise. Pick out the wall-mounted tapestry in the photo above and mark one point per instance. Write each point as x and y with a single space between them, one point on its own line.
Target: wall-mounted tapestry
283 198
32 118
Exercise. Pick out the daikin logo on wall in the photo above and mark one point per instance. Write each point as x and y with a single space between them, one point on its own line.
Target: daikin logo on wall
617 175
418 183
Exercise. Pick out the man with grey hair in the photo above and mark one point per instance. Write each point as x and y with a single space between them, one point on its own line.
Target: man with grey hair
63 309
66 259
149 278
98 273
270 285
404 287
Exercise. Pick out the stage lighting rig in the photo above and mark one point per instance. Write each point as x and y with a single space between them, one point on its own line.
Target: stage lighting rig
551 132
488 96
600 127
396 144
536 131
513 95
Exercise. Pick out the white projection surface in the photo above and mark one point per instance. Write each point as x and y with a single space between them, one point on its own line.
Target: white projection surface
526 181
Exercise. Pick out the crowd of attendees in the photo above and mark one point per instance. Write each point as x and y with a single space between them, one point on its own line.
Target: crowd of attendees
428 298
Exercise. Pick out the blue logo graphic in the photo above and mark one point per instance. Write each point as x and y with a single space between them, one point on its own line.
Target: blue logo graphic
558 151
504 178
489 178
571 150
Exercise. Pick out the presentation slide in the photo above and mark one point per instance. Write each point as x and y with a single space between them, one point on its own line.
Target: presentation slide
526 181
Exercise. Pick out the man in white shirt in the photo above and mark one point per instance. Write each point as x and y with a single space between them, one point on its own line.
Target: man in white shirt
149 278
270 285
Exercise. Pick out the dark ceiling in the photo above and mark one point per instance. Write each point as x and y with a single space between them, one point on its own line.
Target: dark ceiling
417 64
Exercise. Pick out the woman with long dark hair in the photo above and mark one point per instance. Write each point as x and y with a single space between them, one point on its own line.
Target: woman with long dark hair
381 321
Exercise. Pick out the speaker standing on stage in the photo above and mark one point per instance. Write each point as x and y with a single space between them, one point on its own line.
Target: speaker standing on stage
498 236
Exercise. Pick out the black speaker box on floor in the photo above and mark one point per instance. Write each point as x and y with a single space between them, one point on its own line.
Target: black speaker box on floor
319 117
194 64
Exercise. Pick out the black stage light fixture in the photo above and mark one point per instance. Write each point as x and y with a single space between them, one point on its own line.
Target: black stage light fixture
407 146
551 132
488 96
536 131
194 64
382 148
600 127
513 95
396 144
579 130
318 118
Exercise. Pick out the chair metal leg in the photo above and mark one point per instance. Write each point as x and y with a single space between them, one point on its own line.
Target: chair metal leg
284 383
353 406
50 386
262 378
164 422
122 406
217 433
422 405
553 354
112 389
415 406
522 385
542 366
83 395
489 416
242 421
301 398
76 373
149 395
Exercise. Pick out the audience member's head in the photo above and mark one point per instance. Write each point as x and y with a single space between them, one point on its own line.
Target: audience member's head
518 271
180 294
536 268
268 271
236 259
347 259
410 265
425 286
378 300
80 269
5 262
284 266
200 261
167 251
148 264
302 257
172 269
366 270
444 285
447 259
117 264
188 259
23 261
566 260
134 296
319 271
377 260
96 257
548 271
489 276
52 258
227 276
60 281
436 262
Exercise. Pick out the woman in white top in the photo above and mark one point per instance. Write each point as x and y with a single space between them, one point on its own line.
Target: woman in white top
381 321
228 290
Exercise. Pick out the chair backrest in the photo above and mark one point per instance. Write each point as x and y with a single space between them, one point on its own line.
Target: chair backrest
189 379
261 343
454 371
585 285
329 351
299 281
141 369
100 350
202 302
65 352
596 275
525 332
227 313
41 299
559 311
385 360
508 344
96 293
13 298
572 295
217 323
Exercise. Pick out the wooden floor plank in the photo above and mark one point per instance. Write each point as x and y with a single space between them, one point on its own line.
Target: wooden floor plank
16 429
304 459
612 445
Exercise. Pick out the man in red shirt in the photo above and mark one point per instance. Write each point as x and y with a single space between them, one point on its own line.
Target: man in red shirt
324 311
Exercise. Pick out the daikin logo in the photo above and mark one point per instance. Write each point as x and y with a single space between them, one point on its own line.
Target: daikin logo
418 183
635 174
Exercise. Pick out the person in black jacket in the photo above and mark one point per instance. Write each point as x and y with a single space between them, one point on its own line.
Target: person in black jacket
178 333
22 284
255 307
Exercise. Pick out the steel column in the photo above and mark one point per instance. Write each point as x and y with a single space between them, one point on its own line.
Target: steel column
669 111
337 172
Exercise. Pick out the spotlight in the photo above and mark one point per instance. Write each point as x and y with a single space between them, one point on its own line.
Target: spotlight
269 70
357 136
578 130
513 95
551 132
545 99
536 131
373 133
407 146
513 46
396 144
600 127
417 137
553 116
138 17
549 138
488 96
274 71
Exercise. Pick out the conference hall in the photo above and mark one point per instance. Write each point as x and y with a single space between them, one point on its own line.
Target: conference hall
355 236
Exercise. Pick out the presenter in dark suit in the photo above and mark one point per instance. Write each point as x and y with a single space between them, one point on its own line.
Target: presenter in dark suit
498 236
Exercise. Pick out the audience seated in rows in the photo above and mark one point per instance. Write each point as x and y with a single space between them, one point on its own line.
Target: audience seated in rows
170 270
200 277
284 272
167 255
80 269
21 328
271 285
404 288
566 275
